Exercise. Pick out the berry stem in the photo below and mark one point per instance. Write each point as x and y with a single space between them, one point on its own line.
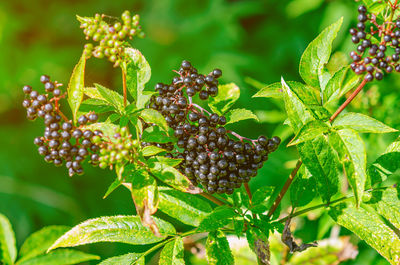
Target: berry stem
212 198
241 138
124 86
299 162
246 186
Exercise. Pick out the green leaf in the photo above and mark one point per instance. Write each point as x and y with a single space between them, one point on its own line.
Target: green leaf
138 73
258 243
271 91
124 229
336 84
361 123
107 128
310 131
127 259
368 226
296 107
116 183
240 198
173 178
153 116
172 253
76 85
322 163
151 150
8 250
218 250
236 115
112 97
238 225
228 94
316 56
187 208
172 162
38 242
59 257
260 199
385 165
154 134
303 188
351 150
220 217
96 105
387 203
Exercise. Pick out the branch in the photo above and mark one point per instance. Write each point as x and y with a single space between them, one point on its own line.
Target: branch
296 169
124 86
212 198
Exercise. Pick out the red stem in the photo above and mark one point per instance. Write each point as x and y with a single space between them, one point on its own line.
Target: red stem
299 162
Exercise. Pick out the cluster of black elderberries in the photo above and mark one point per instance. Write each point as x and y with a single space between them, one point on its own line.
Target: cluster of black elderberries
111 38
211 158
61 141
378 48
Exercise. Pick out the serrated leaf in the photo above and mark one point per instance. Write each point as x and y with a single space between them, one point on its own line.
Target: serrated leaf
124 229
238 225
361 123
236 115
386 202
172 162
303 188
154 134
310 131
352 153
127 259
220 217
349 81
228 94
8 250
107 128
271 91
76 85
316 56
218 250
153 116
96 105
116 183
322 163
368 226
172 253
260 200
187 208
151 150
258 243
112 97
60 257
173 178
334 84
240 198
138 73
38 242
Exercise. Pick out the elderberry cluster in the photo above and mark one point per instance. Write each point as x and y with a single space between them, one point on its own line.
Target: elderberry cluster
61 141
210 157
378 48
111 38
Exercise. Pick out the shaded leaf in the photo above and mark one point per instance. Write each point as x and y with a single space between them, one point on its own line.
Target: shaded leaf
361 123
60 257
260 200
76 85
322 163
8 250
352 153
116 183
184 207
368 226
303 188
124 229
238 225
172 253
127 259
310 131
317 54
236 115
220 217
138 73
258 243
218 250
228 94
38 242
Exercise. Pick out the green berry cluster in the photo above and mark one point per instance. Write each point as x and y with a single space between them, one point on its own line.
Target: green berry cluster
121 149
110 38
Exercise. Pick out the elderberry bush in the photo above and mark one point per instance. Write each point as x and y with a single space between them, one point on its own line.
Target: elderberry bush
210 156
62 142
378 50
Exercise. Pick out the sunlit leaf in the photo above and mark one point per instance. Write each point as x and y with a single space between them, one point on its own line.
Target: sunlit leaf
218 250
361 123
172 253
60 257
8 250
236 115
76 85
228 94
310 131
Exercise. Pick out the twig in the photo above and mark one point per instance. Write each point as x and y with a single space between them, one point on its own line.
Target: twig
246 186
124 86
212 198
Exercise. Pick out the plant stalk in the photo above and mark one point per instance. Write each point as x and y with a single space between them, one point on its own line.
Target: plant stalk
212 198
124 87
299 162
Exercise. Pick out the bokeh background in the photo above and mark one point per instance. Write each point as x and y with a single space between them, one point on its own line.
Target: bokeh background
249 40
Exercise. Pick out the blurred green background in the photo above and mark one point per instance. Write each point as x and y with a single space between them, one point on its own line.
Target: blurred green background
261 39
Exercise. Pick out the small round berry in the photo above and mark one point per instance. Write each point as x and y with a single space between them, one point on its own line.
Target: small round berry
27 89
378 76
44 79
82 120
362 9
